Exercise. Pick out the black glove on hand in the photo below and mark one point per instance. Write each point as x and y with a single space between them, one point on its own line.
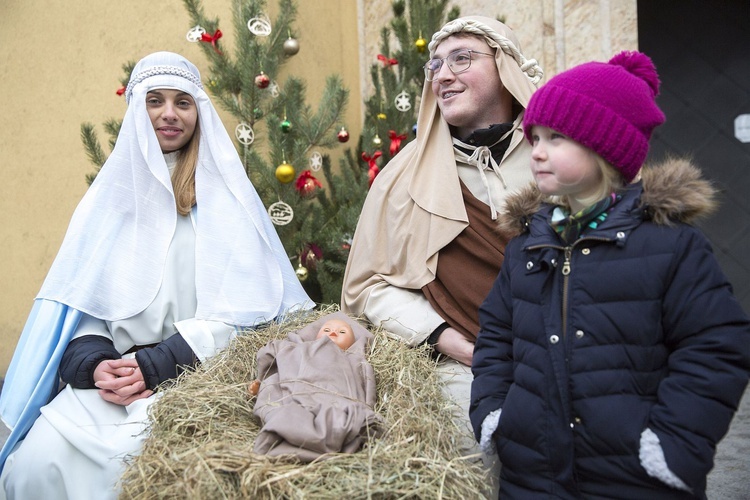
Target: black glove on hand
81 358
165 361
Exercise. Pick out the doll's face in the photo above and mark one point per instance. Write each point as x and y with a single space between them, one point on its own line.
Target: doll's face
173 114
340 333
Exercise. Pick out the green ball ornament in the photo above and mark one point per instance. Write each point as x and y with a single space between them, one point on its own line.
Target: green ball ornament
286 126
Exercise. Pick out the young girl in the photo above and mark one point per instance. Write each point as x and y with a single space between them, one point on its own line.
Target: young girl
169 250
612 353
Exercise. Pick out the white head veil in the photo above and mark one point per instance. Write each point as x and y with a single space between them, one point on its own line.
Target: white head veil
111 261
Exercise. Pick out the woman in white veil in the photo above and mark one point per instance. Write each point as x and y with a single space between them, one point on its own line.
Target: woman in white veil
168 252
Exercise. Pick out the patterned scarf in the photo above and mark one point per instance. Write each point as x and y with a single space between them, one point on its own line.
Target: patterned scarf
570 227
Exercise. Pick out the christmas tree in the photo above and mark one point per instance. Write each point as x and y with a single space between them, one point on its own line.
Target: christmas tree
398 77
280 138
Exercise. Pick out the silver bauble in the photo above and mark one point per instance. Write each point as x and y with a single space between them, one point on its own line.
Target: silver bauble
291 46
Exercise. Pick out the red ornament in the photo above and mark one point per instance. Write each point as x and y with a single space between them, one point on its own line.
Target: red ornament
212 39
395 141
373 169
121 90
387 62
343 135
311 255
306 183
262 81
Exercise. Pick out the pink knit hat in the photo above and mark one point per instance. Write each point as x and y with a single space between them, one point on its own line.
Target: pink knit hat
607 107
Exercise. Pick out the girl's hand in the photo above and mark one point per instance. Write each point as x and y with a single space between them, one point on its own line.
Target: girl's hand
120 381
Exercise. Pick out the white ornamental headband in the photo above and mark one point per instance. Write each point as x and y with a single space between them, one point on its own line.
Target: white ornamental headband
530 67
160 70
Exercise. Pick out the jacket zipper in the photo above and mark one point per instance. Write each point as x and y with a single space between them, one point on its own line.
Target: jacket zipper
567 251
566 270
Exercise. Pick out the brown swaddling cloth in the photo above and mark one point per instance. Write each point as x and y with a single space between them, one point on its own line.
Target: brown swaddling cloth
314 397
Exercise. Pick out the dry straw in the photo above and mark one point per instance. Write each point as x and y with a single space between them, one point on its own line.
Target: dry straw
203 429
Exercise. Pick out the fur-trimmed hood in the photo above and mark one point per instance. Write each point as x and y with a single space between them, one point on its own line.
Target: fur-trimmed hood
673 191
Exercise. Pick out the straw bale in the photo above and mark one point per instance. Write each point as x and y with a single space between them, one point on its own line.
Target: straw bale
202 432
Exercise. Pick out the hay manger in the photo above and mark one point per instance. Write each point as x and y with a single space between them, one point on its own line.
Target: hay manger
203 429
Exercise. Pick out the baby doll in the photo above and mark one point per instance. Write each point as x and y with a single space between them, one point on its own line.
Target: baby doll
316 391
339 331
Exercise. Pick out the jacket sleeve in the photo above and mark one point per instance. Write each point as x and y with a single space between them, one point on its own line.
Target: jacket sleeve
492 364
708 337
81 358
165 361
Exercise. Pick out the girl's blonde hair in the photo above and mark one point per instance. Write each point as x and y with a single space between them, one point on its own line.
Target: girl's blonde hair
183 177
612 181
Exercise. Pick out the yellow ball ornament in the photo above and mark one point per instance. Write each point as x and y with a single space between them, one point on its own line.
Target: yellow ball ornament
285 173
301 272
421 44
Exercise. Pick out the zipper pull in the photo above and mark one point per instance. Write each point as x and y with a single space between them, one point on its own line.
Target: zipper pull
566 264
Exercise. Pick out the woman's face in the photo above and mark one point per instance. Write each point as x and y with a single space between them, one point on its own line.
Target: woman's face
173 114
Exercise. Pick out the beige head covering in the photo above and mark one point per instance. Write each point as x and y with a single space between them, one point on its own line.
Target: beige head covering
415 206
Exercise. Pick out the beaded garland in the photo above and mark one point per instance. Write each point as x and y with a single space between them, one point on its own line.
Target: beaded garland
160 70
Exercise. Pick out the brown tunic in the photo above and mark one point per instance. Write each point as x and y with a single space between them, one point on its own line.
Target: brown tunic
467 268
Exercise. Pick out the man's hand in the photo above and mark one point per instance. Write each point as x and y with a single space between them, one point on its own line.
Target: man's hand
120 381
454 345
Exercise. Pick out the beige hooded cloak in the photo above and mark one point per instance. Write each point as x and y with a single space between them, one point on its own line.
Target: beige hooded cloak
415 206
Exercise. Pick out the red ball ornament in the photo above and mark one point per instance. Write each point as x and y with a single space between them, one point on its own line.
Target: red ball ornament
311 255
306 184
262 81
343 135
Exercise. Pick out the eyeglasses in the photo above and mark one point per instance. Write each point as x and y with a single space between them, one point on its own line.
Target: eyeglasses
458 62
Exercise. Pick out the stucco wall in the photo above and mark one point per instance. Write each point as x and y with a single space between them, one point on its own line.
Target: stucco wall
62 63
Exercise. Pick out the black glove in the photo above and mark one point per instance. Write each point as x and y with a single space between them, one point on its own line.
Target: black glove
165 361
81 358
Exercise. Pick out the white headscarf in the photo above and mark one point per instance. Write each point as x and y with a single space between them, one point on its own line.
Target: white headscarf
111 261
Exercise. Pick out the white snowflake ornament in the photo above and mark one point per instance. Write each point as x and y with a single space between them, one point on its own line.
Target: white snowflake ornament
316 161
195 34
244 134
403 102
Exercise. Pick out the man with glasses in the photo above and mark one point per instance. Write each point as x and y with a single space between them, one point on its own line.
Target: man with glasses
427 250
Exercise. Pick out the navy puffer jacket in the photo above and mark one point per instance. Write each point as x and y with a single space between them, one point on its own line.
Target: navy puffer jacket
642 333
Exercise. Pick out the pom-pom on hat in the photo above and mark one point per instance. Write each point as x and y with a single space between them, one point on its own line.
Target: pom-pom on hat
608 107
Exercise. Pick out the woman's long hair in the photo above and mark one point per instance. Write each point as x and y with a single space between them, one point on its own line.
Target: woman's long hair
183 177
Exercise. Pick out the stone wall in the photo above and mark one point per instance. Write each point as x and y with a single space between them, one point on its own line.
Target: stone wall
557 33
